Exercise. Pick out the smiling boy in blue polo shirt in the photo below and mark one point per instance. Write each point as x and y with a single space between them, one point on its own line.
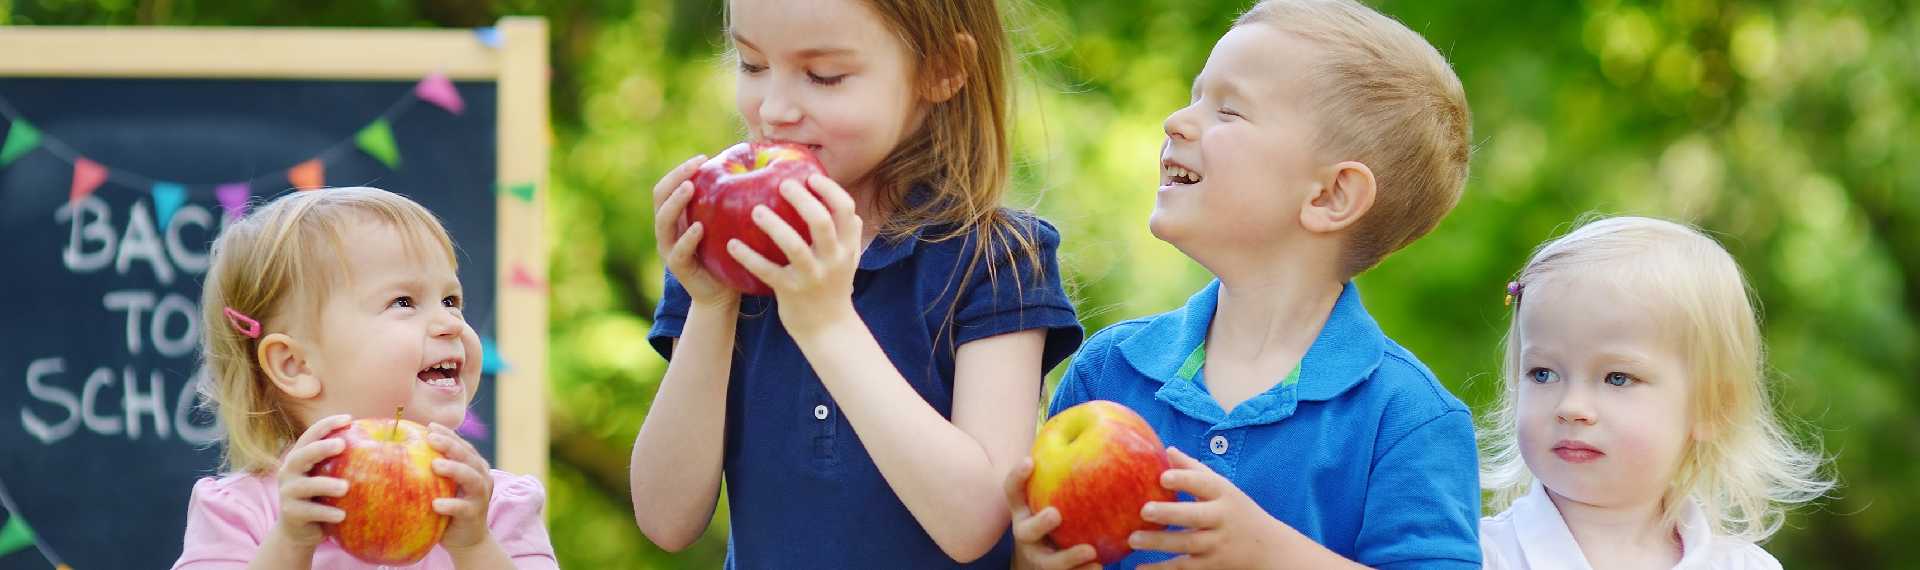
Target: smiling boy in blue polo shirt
1321 137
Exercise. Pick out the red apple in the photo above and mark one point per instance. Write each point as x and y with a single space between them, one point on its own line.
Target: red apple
1098 463
725 190
391 486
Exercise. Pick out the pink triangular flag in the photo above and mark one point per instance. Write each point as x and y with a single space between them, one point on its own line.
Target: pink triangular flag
233 197
438 90
87 177
520 277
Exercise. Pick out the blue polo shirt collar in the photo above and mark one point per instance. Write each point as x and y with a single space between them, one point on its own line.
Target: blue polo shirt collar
1349 348
884 252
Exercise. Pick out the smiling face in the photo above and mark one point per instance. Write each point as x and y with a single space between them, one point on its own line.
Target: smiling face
827 74
1602 393
392 333
1238 161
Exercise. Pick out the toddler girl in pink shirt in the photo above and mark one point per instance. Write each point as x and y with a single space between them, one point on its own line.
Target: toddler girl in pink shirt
323 306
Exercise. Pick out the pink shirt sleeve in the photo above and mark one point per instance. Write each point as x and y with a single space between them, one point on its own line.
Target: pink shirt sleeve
227 519
518 520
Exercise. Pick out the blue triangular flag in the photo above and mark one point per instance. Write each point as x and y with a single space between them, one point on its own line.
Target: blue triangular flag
167 198
489 36
491 361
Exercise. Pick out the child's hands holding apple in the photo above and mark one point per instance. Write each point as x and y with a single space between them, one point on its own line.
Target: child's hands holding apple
468 510
301 515
1031 550
1222 526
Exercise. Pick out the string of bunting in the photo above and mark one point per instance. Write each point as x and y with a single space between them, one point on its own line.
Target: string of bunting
17 536
375 139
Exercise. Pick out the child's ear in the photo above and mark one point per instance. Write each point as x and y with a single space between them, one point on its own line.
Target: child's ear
285 362
948 74
1343 196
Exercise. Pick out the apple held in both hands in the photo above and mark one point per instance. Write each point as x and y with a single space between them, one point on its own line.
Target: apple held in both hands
388 467
726 189
1098 463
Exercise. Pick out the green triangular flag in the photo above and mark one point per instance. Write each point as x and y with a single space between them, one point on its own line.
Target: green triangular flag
21 139
523 191
377 140
16 535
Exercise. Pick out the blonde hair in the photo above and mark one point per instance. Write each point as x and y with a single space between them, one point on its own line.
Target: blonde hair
276 266
1385 98
1748 469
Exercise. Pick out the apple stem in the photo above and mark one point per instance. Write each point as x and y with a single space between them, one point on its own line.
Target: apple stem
397 411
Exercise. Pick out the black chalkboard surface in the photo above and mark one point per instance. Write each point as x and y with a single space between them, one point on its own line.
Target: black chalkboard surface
100 440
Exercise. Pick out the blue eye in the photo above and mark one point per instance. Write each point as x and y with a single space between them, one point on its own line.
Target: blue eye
1542 375
1618 379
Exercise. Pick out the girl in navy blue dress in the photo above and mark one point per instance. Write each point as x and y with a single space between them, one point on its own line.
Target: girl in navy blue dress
865 414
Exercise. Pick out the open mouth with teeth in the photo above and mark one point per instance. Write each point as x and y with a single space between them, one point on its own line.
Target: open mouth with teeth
1172 173
443 374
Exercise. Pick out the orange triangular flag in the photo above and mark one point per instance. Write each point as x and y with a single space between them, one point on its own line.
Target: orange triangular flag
309 175
87 177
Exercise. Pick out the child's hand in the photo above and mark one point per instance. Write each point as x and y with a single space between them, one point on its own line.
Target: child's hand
1030 547
670 197
300 515
1224 527
816 285
464 465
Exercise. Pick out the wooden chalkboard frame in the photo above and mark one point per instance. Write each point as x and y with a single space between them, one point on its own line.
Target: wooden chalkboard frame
518 65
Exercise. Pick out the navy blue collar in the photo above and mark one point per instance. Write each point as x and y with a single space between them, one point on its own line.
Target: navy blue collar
884 252
1349 348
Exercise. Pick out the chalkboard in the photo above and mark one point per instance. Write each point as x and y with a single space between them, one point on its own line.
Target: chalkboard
101 433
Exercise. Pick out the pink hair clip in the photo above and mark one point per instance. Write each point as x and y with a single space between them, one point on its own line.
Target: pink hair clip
243 323
1513 292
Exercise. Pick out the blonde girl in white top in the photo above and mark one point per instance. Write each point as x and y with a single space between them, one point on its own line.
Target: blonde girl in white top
1635 429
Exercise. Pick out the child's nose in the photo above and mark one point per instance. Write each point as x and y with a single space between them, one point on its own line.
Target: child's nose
777 108
1178 126
1575 405
444 324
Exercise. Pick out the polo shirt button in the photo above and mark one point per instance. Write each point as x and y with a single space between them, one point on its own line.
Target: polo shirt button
1218 445
820 412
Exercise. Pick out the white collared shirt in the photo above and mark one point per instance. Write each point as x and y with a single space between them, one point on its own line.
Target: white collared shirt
1530 535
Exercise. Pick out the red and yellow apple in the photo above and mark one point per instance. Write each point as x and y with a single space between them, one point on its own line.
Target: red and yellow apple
391 486
727 187
1098 463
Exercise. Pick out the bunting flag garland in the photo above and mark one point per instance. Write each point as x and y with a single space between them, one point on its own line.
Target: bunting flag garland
87 177
438 90
309 175
17 536
21 139
167 198
233 197
377 141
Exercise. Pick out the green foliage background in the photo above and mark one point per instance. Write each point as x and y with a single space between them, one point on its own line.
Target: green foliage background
1785 127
